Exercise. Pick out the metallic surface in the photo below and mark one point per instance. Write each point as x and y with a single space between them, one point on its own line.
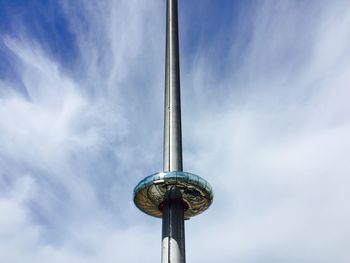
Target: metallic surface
173 195
173 230
172 154
173 240
150 192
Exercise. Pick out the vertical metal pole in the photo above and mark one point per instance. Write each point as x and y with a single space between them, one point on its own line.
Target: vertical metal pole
172 159
173 229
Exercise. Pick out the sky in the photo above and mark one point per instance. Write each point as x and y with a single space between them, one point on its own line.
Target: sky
266 120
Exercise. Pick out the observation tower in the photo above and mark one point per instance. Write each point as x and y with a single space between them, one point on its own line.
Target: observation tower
173 195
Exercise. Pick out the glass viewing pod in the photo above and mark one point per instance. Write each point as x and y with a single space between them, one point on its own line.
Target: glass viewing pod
196 192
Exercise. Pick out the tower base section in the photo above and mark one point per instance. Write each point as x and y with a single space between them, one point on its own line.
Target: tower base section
173 227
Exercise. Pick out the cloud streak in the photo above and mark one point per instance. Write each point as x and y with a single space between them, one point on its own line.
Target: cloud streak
266 121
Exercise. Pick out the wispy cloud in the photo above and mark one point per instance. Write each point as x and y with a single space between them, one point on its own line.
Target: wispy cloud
274 141
266 122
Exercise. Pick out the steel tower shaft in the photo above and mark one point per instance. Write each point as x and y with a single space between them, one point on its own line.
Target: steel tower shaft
172 159
173 195
173 225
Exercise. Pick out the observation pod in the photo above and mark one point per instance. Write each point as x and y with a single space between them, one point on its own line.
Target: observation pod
149 194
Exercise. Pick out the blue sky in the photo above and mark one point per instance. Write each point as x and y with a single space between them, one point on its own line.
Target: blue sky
266 120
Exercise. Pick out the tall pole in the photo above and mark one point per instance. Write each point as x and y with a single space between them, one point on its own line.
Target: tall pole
172 159
173 194
173 227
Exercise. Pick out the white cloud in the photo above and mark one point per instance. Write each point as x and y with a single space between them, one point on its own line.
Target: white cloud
277 153
270 132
